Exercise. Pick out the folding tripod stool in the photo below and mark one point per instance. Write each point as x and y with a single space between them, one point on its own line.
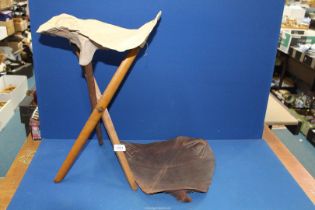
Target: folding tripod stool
88 36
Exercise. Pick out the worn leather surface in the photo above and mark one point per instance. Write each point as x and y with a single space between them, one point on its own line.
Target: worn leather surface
183 163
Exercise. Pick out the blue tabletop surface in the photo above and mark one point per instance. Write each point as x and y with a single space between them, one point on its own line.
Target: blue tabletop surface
247 176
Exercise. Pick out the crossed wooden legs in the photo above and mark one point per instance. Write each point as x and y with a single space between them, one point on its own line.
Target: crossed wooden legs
88 73
100 111
115 140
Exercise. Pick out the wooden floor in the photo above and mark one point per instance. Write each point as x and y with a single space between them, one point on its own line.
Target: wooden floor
295 168
10 183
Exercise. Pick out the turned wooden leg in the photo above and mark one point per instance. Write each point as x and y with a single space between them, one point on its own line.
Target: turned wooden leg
97 113
88 73
110 128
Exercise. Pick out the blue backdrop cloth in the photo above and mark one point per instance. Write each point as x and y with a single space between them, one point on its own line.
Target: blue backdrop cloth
205 72
247 176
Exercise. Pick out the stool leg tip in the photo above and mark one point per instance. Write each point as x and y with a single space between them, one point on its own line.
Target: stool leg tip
134 187
56 180
101 142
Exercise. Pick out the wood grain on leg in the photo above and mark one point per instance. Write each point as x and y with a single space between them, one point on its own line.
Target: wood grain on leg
97 113
110 128
88 71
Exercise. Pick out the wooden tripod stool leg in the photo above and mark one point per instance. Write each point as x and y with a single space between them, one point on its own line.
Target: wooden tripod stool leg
96 115
95 94
109 125
88 73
